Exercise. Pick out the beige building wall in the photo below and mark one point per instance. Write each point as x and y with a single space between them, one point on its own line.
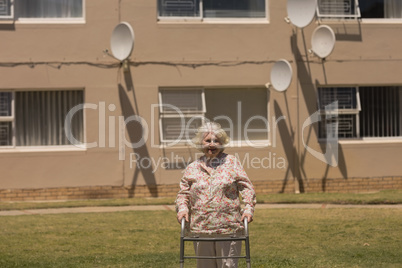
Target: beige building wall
57 56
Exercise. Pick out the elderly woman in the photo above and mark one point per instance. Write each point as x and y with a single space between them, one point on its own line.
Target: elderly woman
209 197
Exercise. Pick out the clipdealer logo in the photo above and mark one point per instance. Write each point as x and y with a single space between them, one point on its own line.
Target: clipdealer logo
272 160
330 156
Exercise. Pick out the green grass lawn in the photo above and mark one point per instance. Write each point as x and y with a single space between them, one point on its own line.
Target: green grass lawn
381 197
341 237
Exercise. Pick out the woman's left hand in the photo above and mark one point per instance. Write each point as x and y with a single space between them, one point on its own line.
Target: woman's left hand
248 216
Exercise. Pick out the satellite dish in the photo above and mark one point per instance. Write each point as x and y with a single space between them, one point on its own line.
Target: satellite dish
323 41
122 41
301 12
281 75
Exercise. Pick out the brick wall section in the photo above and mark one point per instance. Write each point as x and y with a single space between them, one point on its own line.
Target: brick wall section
350 185
354 185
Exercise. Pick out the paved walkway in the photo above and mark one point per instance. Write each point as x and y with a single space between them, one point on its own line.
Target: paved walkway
171 207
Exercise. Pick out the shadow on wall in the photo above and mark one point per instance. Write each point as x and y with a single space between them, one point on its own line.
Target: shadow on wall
135 132
307 88
288 141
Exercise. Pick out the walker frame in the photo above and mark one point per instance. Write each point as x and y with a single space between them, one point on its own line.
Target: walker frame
244 238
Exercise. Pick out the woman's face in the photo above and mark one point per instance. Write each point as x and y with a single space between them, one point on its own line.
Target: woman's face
211 145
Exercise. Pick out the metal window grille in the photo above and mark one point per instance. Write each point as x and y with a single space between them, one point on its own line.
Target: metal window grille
179 8
346 114
338 9
6 119
6 9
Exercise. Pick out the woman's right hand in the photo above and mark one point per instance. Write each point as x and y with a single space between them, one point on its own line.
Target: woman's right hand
182 214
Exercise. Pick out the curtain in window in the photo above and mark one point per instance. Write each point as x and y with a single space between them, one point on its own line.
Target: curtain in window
392 9
49 8
234 8
381 113
40 117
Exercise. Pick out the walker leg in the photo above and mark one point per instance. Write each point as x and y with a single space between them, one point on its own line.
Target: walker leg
181 252
182 243
247 242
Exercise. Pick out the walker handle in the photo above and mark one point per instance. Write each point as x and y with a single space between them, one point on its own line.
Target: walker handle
183 224
245 226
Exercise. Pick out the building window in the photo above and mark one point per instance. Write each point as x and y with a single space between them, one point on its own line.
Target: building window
212 8
381 9
365 9
362 112
242 113
41 9
182 112
37 118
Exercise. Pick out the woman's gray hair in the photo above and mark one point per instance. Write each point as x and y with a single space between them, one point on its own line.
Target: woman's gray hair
210 127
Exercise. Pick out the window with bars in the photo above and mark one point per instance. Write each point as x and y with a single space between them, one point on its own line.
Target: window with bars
363 112
365 9
6 118
242 113
212 8
6 9
37 118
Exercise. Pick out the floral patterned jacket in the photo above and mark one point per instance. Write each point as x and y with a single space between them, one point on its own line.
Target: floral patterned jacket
211 196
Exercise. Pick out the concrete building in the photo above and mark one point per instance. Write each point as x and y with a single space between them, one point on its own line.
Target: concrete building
210 59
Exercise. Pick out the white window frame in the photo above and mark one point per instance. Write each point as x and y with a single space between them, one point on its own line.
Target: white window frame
163 114
14 16
39 148
201 17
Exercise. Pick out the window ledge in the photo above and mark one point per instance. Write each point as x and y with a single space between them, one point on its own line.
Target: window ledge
50 21
232 144
7 21
382 21
211 21
29 149
364 21
371 141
